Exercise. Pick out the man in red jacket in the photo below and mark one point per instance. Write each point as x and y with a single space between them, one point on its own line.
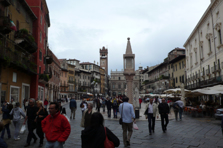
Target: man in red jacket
56 127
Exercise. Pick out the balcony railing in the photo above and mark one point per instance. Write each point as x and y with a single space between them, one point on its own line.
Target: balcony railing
5 25
25 40
12 57
71 81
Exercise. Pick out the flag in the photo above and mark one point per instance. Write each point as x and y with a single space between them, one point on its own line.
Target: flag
13 27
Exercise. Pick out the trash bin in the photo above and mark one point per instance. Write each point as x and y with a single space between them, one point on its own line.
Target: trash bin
137 114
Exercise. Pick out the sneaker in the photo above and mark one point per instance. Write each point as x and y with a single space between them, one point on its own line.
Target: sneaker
16 139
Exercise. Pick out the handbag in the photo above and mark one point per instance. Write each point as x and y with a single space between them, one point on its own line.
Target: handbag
120 120
107 142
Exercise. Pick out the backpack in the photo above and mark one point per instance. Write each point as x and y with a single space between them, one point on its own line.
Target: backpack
115 103
176 107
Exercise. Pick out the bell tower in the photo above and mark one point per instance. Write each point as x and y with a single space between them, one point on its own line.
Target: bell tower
104 59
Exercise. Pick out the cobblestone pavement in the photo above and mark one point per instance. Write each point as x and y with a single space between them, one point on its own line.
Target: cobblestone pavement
188 133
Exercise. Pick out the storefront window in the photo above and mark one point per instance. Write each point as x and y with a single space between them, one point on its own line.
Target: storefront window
14 93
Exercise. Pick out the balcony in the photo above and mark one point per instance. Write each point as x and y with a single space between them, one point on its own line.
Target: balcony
44 78
5 25
212 69
207 72
6 3
18 59
217 68
26 41
71 81
63 85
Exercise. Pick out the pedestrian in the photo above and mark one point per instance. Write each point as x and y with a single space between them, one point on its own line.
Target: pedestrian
73 107
24 104
86 118
115 107
164 110
83 106
151 113
103 105
41 114
128 117
59 127
94 136
16 113
31 116
2 142
180 111
6 109
109 104
140 102
46 103
98 104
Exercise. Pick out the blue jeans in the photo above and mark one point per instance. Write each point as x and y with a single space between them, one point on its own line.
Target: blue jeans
54 144
115 112
180 114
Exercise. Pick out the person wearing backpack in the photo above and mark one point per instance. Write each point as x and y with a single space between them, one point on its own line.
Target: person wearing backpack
115 107
17 112
6 109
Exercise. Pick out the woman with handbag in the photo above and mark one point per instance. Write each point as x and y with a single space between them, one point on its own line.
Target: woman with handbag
41 114
6 109
16 113
98 136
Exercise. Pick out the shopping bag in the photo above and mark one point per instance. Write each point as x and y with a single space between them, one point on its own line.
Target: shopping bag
23 128
135 126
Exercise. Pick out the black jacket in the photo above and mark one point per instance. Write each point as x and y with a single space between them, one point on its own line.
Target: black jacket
164 108
95 137
109 104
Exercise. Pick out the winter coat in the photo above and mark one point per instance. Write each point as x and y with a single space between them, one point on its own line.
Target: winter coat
56 128
109 104
6 112
83 117
17 112
164 108
94 137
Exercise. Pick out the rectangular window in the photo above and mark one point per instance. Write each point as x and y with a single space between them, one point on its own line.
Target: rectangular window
176 67
202 52
219 34
180 65
176 79
14 93
40 55
182 79
14 77
119 86
209 42
196 56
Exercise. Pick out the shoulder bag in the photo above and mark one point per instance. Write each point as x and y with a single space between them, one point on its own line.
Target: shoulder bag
108 143
120 120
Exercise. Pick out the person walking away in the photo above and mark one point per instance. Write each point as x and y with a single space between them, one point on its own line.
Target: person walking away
115 107
94 136
16 113
98 105
86 118
41 114
73 107
59 125
109 104
140 102
127 112
46 103
103 105
151 113
181 105
6 109
164 110
2 142
31 116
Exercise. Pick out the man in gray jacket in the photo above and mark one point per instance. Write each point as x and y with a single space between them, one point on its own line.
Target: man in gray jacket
17 112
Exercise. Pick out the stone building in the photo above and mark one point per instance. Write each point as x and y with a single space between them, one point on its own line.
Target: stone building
204 49
63 78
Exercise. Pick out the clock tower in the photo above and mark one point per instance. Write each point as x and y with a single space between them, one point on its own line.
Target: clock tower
104 59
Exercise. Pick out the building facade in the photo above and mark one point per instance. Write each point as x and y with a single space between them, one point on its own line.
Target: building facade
17 46
40 33
176 67
71 80
64 79
103 81
204 49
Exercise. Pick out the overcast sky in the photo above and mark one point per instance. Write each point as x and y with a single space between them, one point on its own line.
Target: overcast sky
79 28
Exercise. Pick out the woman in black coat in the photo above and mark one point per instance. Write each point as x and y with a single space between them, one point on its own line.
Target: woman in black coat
94 136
